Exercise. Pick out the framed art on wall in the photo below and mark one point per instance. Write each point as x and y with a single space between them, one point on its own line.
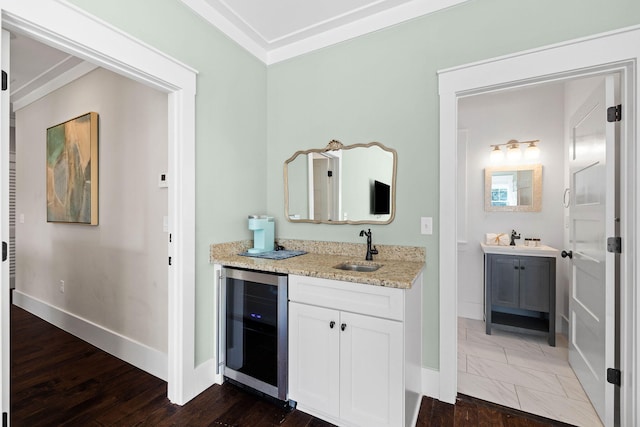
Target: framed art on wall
72 171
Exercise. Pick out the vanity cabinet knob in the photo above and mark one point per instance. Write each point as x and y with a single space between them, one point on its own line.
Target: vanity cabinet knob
343 326
332 324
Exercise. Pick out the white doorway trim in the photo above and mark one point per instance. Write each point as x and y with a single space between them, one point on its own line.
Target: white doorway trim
70 29
617 50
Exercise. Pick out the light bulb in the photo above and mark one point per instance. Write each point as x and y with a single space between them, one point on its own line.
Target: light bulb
513 152
496 154
532 151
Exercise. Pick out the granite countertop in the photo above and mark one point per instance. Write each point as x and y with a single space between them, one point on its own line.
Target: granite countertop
400 264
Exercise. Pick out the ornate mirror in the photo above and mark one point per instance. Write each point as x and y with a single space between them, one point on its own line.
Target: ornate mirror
354 184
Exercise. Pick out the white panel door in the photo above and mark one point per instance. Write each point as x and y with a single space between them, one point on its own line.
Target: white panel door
314 348
592 219
371 361
4 232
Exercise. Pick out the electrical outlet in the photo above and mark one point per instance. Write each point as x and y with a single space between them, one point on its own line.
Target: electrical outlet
62 286
426 225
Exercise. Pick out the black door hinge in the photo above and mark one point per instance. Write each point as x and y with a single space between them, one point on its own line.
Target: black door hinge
614 114
4 80
329 174
614 245
614 376
169 260
169 237
4 251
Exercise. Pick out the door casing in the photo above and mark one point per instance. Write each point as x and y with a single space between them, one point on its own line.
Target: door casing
617 51
63 26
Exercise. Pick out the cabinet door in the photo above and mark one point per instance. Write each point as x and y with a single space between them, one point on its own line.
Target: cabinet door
371 363
534 283
314 348
505 272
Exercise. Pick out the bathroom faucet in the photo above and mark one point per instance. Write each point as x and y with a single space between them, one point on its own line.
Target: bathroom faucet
514 236
370 252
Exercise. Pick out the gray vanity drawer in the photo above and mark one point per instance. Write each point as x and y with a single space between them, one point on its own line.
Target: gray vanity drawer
354 297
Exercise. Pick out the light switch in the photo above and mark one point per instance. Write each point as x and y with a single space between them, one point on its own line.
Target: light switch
163 180
426 225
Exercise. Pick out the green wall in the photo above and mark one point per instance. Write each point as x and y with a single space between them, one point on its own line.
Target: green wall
378 87
384 87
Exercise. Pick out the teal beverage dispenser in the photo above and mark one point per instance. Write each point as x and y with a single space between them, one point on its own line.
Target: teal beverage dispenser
263 233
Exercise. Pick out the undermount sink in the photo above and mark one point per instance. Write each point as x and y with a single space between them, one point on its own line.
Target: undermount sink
351 266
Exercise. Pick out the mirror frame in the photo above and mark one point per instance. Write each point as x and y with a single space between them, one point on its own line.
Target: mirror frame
333 146
536 206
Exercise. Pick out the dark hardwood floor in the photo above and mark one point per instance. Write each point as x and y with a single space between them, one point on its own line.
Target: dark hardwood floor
59 380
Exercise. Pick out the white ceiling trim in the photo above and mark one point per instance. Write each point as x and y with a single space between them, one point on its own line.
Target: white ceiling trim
317 26
44 85
202 8
270 55
361 27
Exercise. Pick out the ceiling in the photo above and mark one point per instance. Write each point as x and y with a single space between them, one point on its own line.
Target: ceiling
272 30
276 30
34 65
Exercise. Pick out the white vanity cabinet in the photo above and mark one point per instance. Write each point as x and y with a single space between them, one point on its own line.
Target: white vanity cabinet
355 351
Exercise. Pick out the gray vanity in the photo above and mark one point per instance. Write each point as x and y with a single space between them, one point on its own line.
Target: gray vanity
520 288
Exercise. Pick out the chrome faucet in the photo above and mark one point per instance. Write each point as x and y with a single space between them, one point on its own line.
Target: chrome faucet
370 251
514 236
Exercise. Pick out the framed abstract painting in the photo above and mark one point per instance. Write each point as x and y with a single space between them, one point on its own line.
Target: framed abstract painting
72 171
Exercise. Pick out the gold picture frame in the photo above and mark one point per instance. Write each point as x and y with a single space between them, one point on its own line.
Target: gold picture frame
72 171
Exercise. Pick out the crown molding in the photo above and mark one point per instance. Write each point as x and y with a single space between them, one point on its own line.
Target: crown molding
269 54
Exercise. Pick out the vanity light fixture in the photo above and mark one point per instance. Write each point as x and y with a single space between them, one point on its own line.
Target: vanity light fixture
514 152
497 155
532 151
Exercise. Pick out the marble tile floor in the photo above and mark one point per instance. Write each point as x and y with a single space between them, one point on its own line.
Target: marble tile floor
521 371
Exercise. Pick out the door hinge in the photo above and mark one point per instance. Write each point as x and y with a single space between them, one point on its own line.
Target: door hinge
614 245
614 114
169 260
329 174
169 237
5 251
5 78
614 376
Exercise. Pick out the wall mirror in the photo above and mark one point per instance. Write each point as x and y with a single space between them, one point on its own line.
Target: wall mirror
353 184
513 188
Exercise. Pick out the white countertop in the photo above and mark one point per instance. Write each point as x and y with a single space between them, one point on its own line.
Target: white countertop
541 251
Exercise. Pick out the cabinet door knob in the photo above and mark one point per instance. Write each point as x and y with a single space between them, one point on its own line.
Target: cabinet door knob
566 254
332 324
343 326
522 267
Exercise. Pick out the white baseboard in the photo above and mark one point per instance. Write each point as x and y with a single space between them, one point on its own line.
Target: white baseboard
562 326
470 310
431 383
205 376
139 355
